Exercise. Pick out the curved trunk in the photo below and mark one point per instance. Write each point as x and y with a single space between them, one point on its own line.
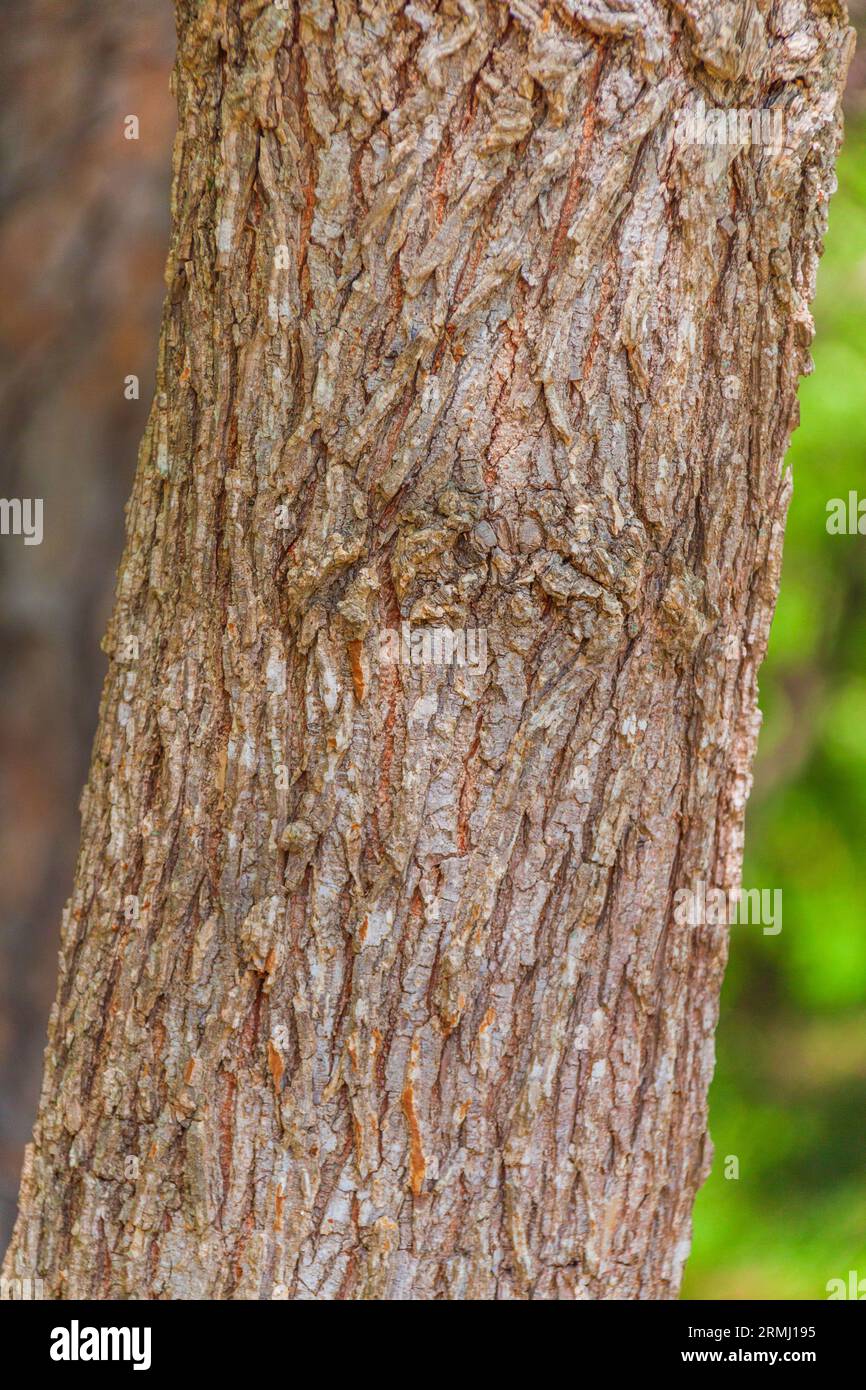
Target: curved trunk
452 553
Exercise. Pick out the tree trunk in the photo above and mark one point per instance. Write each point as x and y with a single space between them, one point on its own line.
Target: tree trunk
371 985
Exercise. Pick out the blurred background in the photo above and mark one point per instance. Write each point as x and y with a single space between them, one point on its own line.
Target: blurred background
789 1096
83 237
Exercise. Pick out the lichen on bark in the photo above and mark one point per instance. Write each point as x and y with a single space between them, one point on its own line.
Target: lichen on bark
370 983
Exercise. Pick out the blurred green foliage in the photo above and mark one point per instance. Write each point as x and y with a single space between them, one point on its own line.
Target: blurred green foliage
789 1097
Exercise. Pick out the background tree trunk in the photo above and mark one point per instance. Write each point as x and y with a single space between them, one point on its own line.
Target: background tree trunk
370 983
83 231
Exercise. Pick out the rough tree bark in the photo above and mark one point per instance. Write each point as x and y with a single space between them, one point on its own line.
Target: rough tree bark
402 1010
